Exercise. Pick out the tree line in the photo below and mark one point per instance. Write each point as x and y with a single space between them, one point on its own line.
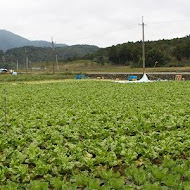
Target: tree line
43 54
175 52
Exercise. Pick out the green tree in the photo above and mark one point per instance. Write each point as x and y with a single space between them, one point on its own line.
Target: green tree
155 57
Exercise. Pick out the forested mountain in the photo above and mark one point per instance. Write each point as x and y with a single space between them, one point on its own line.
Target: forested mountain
45 54
175 52
9 40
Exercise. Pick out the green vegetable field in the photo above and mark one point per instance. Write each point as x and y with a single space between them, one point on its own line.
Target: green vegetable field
95 135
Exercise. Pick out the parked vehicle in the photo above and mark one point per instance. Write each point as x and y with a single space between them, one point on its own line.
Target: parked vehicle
3 70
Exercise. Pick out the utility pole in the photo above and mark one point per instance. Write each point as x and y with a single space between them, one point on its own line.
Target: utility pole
17 65
27 61
143 45
26 64
53 51
56 62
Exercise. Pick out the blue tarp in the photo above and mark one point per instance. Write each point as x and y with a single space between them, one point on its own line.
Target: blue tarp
81 76
132 78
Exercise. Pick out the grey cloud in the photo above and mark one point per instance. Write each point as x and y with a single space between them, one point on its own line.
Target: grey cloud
99 22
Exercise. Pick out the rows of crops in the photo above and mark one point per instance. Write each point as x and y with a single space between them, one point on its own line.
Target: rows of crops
95 135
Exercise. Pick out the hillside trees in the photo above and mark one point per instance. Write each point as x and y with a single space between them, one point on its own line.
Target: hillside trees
155 57
182 50
45 54
158 53
131 54
124 54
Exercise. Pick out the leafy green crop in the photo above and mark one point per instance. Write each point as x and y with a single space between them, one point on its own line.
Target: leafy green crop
95 135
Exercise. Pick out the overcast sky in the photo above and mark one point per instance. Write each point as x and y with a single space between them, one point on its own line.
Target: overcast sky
98 22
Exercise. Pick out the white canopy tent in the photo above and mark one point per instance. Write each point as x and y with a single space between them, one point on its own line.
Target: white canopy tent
144 78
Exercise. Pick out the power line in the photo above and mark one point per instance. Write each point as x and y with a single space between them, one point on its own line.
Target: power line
170 21
129 27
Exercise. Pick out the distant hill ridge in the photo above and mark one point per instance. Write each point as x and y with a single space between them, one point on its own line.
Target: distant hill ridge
9 40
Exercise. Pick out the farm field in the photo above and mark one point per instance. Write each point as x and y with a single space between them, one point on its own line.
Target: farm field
34 77
95 135
87 66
